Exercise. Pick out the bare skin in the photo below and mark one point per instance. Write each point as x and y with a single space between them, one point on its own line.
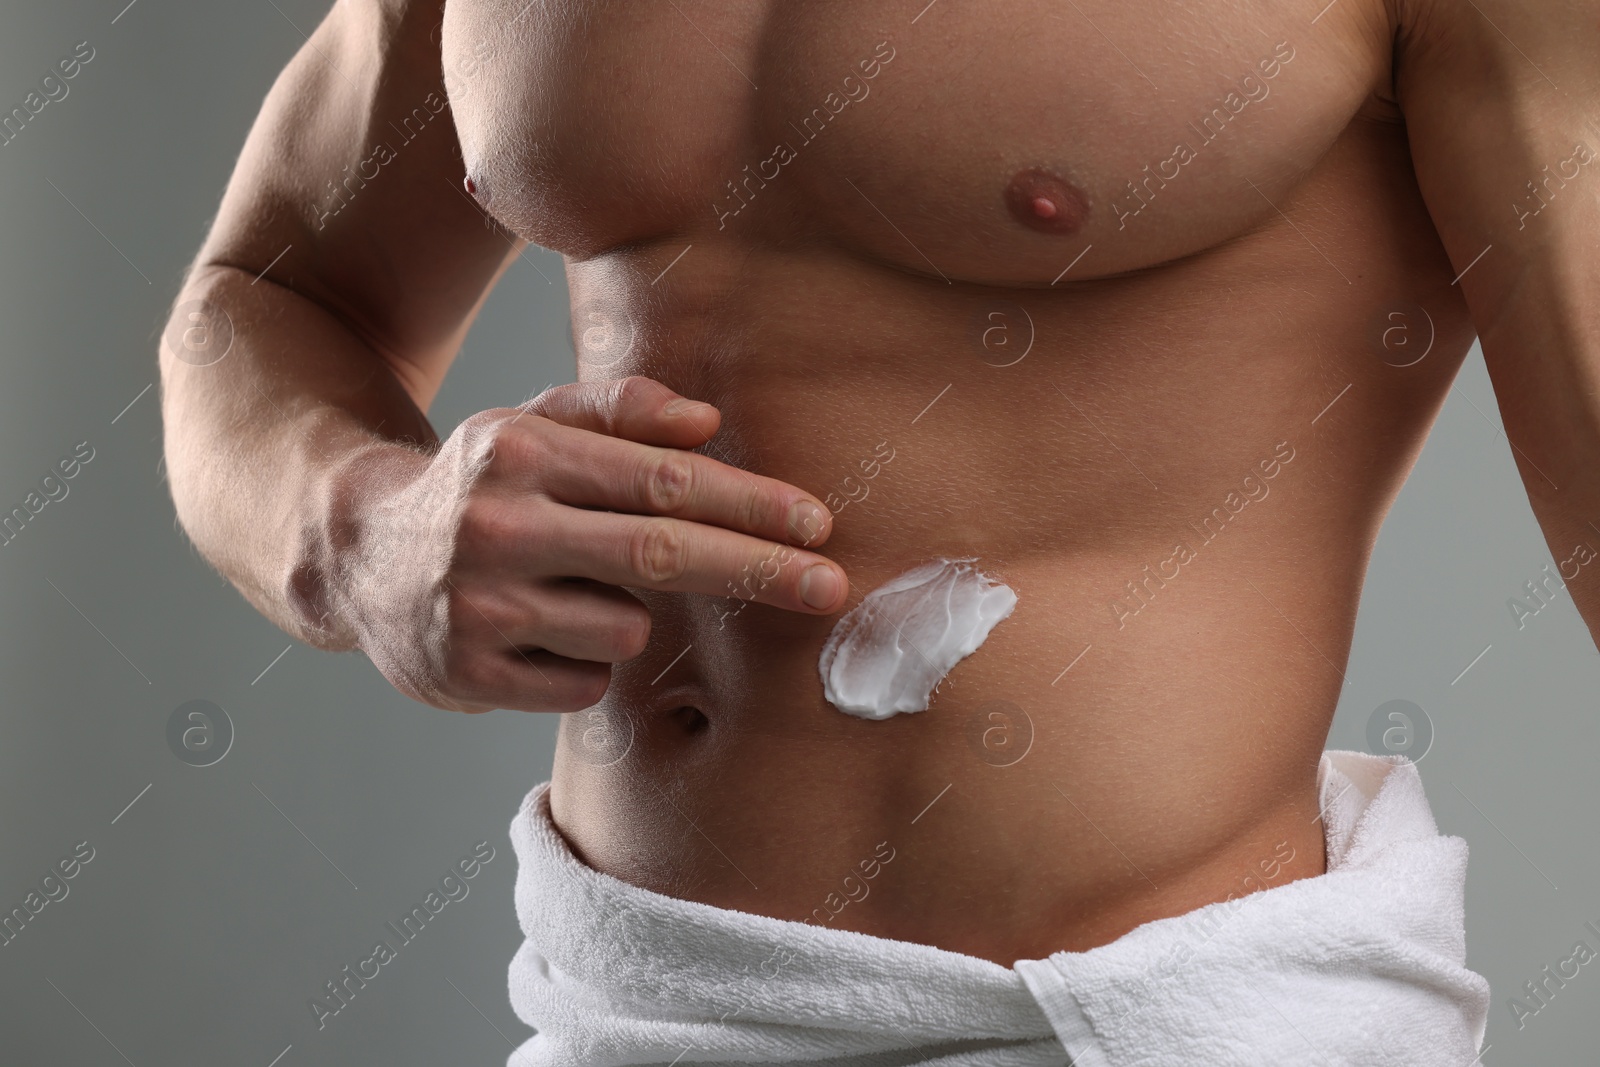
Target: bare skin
1174 431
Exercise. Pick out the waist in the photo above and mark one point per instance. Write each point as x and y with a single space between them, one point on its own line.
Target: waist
1080 774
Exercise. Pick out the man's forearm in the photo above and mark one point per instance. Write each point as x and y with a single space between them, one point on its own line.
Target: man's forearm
256 441
346 298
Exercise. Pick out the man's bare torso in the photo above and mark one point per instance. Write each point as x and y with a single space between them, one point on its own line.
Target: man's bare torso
1173 428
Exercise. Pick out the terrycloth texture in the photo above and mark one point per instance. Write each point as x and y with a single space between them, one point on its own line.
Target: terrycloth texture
1361 966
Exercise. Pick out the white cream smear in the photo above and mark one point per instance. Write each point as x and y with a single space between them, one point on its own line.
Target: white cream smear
890 651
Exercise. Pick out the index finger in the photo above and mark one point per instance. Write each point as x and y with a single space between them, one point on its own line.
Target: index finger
594 471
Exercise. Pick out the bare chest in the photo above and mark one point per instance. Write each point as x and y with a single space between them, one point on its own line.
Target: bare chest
991 142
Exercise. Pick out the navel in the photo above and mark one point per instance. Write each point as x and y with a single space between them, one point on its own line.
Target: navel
1045 202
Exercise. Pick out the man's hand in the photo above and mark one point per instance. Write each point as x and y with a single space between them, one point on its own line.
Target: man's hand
488 575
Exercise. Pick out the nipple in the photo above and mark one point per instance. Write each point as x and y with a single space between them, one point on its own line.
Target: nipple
1043 201
471 187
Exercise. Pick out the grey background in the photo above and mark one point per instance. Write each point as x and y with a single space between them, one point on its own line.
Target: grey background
225 896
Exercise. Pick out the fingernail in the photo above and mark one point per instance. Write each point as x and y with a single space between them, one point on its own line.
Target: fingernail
805 521
819 586
684 407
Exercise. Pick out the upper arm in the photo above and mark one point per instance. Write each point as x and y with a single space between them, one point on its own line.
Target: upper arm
354 167
1500 99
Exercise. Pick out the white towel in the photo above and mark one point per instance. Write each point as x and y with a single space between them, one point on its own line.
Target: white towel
1363 965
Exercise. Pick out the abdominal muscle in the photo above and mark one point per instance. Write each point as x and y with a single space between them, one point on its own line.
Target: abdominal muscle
1113 753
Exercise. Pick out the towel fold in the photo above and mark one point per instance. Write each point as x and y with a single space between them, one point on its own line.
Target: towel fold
1363 965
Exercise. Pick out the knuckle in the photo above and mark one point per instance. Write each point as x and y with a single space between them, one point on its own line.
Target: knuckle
476 677
464 632
429 662
452 697
482 525
480 433
542 403
657 551
668 481
759 511
513 445
634 390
